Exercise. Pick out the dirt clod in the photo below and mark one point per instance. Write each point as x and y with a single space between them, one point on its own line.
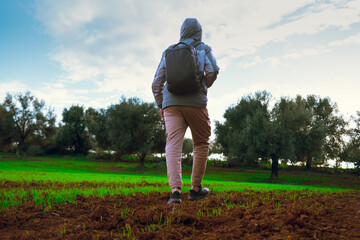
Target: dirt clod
226 215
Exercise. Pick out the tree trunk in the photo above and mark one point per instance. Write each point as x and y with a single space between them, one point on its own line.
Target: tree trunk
301 157
274 166
308 163
337 165
118 155
20 148
142 160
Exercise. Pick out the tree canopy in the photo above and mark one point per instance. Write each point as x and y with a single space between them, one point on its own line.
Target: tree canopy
96 122
133 127
243 136
73 136
303 130
32 122
351 151
258 129
6 129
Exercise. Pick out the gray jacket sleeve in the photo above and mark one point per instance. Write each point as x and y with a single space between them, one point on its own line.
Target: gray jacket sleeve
159 82
211 68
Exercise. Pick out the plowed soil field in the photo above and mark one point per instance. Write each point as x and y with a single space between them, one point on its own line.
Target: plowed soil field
223 215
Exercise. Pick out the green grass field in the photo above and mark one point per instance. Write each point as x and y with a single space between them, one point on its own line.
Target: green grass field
48 180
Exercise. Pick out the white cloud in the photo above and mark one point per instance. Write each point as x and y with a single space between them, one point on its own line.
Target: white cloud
94 34
293 54
12 86
77 65
350 40
117 45
66 17
345 95
252 32
56 95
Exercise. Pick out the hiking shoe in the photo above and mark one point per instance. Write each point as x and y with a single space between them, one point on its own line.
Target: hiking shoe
175 197
199 194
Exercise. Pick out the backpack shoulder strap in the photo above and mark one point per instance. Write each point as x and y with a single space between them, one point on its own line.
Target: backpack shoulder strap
196 43
203 46
174 46
207 48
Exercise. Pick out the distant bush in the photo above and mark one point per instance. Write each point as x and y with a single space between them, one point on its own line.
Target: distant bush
99 155
129 157
267 165
217 163
152 158
106 155
34 150
357 168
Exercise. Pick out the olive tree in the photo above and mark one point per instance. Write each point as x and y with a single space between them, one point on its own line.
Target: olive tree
96 123
187 150
73 136
351 150
32 120
252 133
319 133
6 129
132 126
243 136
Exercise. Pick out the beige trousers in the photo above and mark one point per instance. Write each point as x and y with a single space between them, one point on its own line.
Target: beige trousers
177 119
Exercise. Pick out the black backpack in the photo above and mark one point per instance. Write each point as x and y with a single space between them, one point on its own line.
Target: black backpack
183 74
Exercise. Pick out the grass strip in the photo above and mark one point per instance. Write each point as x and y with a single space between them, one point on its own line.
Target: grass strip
84 177
116 184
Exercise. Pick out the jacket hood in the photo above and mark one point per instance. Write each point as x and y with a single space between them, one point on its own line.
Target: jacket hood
191 28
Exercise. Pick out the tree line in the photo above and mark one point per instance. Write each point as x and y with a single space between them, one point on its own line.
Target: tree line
307 130
128 127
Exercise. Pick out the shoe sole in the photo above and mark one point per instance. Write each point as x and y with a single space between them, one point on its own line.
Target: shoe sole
174 201
198 197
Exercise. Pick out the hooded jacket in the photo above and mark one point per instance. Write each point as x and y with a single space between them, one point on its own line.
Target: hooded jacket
190 31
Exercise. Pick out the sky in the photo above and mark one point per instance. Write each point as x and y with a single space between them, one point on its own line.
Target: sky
92 52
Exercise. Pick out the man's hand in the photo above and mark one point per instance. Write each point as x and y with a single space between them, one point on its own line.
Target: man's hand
162 113
210 78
